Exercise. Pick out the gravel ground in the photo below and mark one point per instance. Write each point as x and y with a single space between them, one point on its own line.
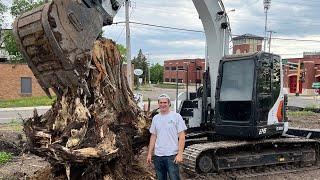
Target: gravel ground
309 122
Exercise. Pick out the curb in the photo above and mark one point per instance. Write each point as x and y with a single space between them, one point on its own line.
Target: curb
24 108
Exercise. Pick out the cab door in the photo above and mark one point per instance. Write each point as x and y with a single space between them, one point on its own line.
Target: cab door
264 89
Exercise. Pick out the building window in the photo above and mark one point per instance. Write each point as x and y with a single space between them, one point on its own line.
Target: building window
180 67
26 85
173 68
166 80
173 80
167 68
180 81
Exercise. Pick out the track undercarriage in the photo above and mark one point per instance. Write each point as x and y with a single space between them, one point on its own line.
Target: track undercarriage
236 158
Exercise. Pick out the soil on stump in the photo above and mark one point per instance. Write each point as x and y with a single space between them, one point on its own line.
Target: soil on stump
96 136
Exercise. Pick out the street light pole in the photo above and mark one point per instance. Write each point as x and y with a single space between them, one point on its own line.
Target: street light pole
196 81
177 91
149 66
270 36
128 44
188 81
266 4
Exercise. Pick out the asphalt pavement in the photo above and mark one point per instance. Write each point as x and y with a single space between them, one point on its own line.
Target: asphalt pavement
9 114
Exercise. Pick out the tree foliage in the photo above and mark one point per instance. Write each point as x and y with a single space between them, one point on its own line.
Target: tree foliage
123 52
3 9
20 6
156 74
12 47
140 62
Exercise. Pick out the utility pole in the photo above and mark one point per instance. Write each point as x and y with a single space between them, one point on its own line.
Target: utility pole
267 4
128 45
270 36
149 66
177 90
298 79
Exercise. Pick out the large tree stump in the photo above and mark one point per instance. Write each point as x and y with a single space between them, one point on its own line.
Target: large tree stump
92 137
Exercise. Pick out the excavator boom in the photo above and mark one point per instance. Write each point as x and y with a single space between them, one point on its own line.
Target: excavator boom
56 40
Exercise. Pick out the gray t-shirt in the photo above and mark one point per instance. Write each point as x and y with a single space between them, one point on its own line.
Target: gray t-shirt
167 127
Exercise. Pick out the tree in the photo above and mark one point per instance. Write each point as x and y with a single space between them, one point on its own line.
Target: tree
20 6
3 9
140 62
12 47
156 73
123 52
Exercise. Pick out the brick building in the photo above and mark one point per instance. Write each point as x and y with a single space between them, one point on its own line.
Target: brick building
186 68
247 43
310 69
17 81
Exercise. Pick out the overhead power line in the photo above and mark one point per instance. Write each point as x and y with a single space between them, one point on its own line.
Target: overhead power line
198 31
160 26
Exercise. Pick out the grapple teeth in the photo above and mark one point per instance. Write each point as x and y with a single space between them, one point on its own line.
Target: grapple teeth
53 44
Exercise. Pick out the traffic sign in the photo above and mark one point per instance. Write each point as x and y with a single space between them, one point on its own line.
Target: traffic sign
316 85
138 72
284 61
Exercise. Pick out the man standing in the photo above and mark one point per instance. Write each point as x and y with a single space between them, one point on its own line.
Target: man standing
167 140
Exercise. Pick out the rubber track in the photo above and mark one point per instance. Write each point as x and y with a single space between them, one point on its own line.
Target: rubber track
255 172
192 152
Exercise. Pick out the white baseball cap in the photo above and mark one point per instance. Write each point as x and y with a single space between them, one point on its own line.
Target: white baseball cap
162 96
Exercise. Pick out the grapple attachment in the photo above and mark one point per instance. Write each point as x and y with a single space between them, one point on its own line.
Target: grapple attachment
56 40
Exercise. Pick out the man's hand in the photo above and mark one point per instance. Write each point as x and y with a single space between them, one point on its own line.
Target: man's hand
149 159
178 159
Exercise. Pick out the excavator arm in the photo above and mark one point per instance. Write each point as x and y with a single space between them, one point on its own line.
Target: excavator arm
56 40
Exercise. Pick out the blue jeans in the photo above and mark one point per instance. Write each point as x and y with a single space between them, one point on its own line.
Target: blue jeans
164 166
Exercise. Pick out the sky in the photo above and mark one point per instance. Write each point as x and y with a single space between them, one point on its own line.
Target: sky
290 19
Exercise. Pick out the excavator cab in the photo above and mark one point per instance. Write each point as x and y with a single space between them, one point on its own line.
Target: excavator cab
249 96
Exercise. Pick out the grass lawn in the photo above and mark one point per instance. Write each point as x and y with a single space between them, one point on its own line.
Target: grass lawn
27 102
301 113
14 126
170 86
5 157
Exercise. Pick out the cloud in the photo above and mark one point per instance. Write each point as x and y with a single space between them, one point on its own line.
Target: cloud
294 19
196 43
291 49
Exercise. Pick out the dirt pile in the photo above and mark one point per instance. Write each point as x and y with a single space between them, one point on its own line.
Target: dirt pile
96 136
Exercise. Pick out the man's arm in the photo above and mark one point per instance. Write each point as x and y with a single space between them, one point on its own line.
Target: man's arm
182 139
152 143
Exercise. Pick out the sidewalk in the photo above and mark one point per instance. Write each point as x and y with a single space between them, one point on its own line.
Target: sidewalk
24 108
18 113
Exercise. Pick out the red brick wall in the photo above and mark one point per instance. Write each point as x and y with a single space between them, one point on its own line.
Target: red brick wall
311 68
10 81
244 48
191 64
